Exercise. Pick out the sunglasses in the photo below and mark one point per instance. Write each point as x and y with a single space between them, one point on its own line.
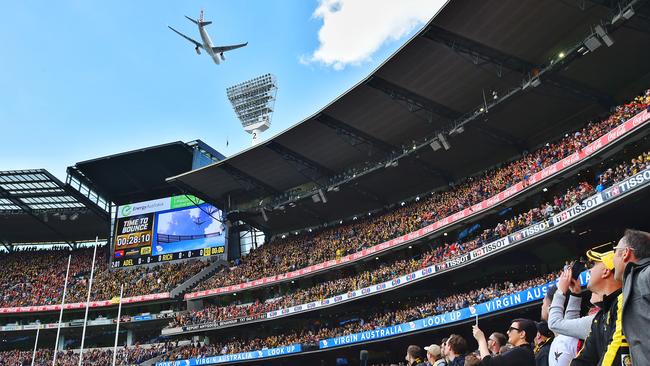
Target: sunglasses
513 328
623 247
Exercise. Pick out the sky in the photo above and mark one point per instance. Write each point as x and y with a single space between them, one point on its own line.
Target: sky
83 79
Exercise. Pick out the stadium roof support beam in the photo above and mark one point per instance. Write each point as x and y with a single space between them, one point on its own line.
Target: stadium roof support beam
481 54
305 166
353 136
313 170
501 136
360 137
250 181
26 209
8 246
415 101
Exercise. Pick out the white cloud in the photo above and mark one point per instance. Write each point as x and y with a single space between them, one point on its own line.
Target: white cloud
354 29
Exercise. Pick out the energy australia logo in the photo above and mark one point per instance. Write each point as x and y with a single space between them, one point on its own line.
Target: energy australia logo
126 210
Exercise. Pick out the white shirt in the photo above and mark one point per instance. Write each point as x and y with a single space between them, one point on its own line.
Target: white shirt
563 350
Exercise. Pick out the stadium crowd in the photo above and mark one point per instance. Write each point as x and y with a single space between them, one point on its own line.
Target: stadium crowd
286 254
386 271
36 277
381 316
41 281
92 357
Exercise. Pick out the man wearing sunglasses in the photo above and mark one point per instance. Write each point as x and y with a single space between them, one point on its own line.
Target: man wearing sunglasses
605 345
521 335
632 260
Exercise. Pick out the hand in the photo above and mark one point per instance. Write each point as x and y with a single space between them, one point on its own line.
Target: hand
478 333
565 280
575 287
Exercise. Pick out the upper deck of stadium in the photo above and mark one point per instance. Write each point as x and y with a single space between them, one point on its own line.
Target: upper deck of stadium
526 62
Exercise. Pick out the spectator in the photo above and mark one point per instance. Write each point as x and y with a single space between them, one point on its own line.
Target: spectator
606 343
434 355
443 349
542 344
456 350
414 356
472 360
631 259
568 323
562 348
495 342
521 334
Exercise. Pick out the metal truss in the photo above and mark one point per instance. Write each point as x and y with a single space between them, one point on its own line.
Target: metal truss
480 55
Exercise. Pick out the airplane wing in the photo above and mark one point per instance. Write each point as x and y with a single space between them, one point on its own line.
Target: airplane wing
227 48
197 44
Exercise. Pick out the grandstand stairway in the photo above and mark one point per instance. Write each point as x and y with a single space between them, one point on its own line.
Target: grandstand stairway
208 271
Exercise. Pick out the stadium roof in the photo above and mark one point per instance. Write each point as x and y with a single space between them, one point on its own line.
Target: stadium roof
443 75
35 207
139 175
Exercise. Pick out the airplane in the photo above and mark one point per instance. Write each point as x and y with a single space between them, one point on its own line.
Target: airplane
215 52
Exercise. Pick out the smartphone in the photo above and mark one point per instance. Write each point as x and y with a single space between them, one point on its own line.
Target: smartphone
577 268
476 322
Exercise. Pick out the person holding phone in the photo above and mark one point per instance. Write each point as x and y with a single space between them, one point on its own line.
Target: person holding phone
568 322
562 348
521 335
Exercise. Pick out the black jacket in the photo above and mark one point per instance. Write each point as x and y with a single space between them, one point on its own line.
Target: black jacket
541 357
518 356
605 345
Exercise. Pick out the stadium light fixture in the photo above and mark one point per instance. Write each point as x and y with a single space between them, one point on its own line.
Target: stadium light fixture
443 141
545 189
253 102
561 55
284 236
402 203
435 145
266 218
628 13
445 234
602 33
592 43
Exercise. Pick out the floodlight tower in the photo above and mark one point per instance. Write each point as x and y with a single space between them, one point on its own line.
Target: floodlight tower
253 102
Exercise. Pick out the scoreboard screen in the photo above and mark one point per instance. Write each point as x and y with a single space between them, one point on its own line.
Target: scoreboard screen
167 229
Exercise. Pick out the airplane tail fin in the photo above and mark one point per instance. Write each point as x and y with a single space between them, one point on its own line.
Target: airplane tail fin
198 22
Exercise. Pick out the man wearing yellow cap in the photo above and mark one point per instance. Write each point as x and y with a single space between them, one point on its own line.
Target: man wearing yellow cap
605 345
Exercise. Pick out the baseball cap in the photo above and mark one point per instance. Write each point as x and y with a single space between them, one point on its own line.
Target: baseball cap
607 258
434 350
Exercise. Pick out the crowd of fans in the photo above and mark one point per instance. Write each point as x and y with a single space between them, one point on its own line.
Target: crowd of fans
382 316
91 357
387 271
36 277
282 255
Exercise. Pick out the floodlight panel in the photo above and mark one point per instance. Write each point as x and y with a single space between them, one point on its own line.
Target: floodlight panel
253 102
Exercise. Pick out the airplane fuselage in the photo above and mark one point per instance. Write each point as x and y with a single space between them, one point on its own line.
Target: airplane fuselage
207 45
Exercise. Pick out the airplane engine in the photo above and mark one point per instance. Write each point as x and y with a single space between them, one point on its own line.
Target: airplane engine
222 57
198 50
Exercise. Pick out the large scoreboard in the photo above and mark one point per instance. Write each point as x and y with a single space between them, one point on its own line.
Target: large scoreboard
167 229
